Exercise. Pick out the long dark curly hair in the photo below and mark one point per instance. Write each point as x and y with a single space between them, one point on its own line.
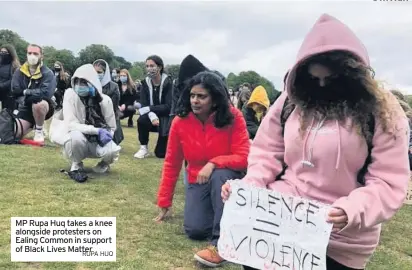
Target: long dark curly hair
218 91
351 93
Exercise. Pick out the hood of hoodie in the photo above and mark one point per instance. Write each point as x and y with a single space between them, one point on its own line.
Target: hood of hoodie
259 96
189 67
327 34
87 72
107 77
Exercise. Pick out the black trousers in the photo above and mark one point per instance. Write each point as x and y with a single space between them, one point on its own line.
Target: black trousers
144 127
127 113
330 265
59 95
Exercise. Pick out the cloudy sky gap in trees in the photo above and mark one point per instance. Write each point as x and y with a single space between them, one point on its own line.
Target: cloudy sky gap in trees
227 36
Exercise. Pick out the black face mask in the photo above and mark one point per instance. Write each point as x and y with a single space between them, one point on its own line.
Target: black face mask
336 91
5 59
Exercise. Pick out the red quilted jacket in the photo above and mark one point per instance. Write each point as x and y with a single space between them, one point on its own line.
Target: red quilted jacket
198 144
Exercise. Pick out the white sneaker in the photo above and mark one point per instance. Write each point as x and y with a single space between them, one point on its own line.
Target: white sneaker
77 166
142 153
101 167
38 137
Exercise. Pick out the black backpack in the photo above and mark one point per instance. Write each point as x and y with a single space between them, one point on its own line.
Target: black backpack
288 109
8 127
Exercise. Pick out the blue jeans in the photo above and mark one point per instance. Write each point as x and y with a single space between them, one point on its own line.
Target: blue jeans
204 206
185 181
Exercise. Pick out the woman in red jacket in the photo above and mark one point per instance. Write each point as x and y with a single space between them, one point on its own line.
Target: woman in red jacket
211 135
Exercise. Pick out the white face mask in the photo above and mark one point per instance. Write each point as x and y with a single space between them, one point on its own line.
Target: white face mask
32 59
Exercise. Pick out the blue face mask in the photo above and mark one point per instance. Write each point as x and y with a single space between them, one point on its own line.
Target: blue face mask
84 90
101 75
123 79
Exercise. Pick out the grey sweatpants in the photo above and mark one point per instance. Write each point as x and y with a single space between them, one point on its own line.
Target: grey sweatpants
204 206
78 148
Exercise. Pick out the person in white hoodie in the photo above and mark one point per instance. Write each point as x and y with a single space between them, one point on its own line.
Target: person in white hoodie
88 123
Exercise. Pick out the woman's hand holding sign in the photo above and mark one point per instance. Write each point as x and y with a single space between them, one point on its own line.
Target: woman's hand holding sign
225 192
339 218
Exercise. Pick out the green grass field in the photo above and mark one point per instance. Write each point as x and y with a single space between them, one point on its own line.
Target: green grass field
31 185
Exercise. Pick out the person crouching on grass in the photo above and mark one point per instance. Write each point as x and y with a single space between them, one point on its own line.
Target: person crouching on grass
340 110
90 119
210 134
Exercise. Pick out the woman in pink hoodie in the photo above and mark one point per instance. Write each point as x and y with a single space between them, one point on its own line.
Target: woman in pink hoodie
325 142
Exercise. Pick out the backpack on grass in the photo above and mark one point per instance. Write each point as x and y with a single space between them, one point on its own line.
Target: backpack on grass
288 109
8 127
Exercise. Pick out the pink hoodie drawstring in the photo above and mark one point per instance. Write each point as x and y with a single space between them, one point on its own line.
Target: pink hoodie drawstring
339 146
308 162
306 140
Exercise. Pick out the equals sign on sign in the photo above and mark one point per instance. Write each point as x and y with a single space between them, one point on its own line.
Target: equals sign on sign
266 227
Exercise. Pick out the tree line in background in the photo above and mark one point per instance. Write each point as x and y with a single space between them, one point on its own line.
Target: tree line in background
137 69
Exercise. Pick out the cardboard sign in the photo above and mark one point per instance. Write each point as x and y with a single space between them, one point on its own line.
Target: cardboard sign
265 229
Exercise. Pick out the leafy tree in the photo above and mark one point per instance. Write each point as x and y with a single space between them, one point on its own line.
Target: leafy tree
120 62
137 71
96 51
231 80
10 37
173 70
66 57
254 79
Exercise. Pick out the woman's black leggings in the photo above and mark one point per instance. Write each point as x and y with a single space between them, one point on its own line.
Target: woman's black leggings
330 265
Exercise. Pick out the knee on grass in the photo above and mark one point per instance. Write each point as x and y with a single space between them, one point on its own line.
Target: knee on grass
198 234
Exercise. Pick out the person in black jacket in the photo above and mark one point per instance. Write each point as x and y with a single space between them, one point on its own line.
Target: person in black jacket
9 63
33 86
128 96
63 83
154 107
111 89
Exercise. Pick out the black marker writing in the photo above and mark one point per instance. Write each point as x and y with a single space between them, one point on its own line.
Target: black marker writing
267 248
296 208
233 239
264 230
272 200
240 195
312 212
258 206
